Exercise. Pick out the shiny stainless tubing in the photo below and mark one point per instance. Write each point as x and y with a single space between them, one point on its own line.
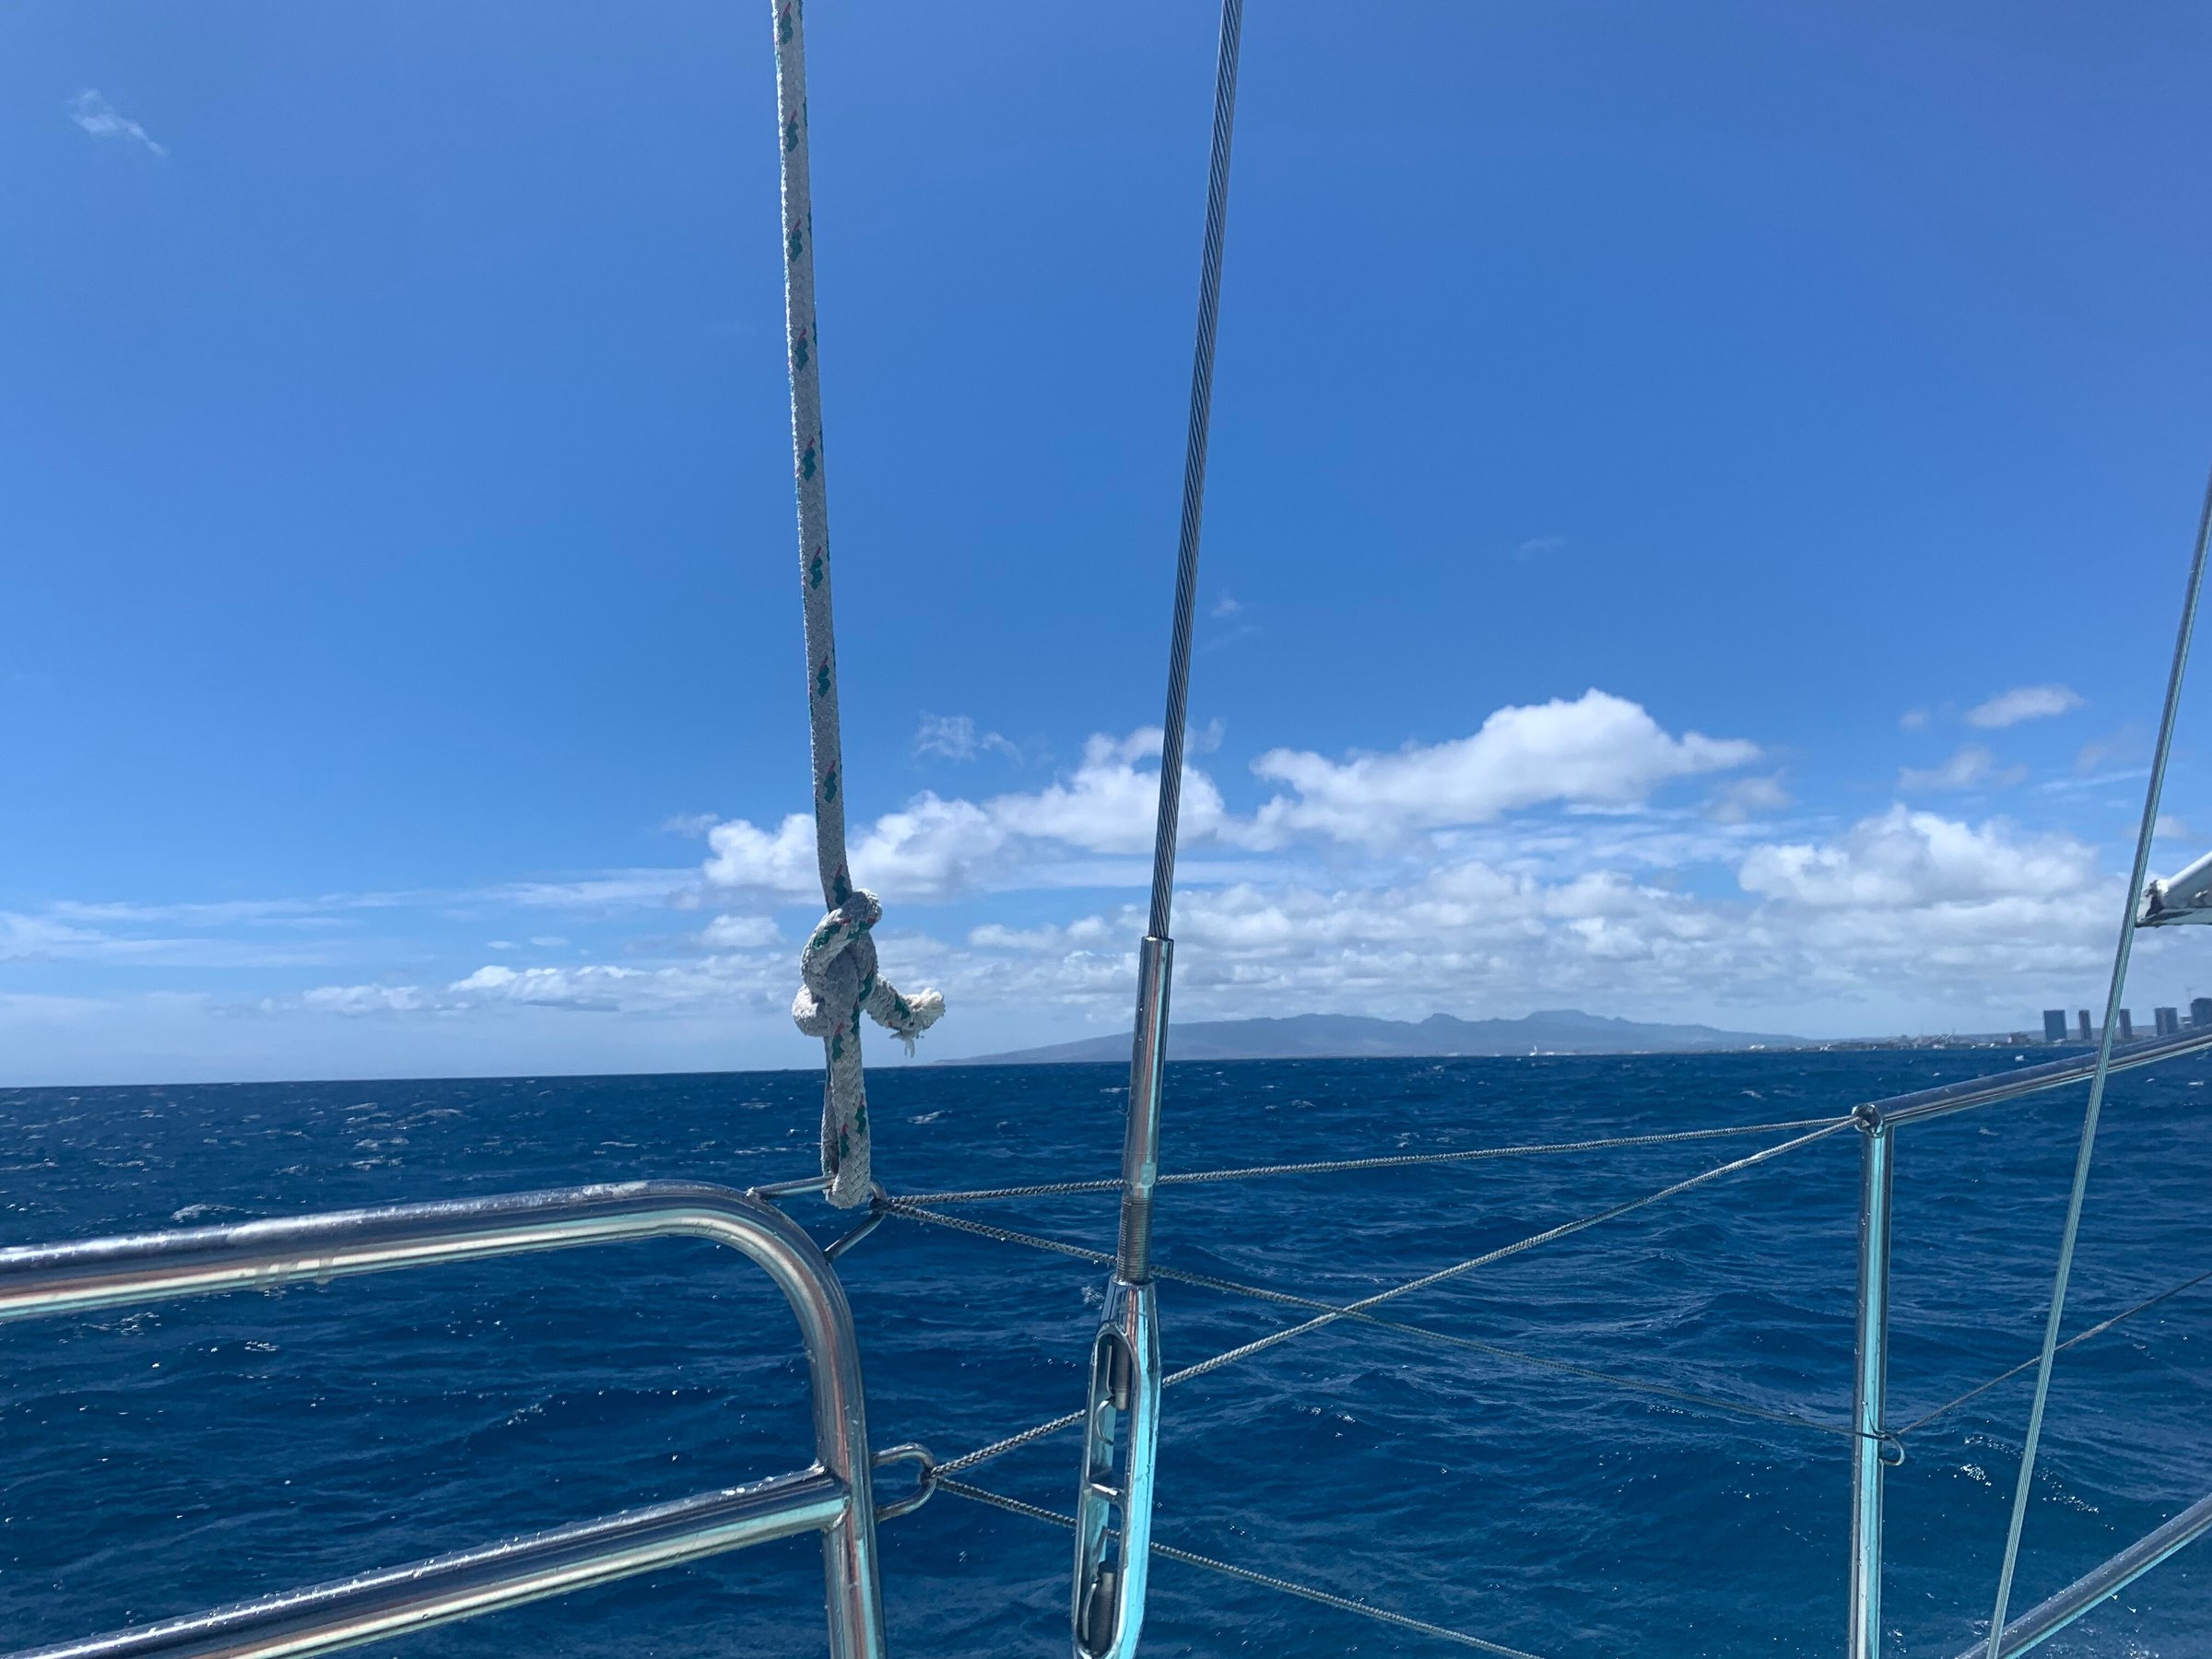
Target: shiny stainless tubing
401 1600
2031 1079
1140 1145
1121 1425
1869 1390
1121 1428
105 1272
2047 1618
1113 1510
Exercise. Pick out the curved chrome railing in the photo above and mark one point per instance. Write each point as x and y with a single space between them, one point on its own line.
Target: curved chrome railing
833 1496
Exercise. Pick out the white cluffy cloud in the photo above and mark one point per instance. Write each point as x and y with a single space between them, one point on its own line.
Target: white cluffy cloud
739 933
369 999
92 111
1093 826
2023 702
1532 861
937 848
1904 908
1599 750
1907 859
741 982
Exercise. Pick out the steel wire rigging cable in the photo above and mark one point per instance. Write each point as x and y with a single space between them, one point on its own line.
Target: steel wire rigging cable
2098 1329
1193 471
1114 1485
1353 1310
1564 1229
1207 1281
911 1209
1015 1506
2085 1153
1390 1162
907 1210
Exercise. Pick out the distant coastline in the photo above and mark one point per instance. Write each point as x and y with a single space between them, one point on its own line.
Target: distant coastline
1354 1036
1443 1036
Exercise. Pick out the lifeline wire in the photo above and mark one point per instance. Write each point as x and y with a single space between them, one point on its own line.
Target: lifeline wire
1354 1309
837 968
1312 1304
1015 1506
1564 1229
2098 1329
2087 1150
1338 1166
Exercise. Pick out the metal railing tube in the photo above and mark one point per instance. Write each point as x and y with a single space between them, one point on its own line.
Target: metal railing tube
400 1600
2047 1617
2031 1079
103 1273
1869 1389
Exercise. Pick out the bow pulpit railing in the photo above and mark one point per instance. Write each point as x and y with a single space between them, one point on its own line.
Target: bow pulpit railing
833 1496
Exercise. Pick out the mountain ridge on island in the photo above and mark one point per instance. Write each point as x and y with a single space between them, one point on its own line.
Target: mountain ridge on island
1361 1037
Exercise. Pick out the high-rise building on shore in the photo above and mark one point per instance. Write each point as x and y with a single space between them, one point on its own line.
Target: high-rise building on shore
2055 1025
2169 1021
2200 1010
2127 1027
2086 1035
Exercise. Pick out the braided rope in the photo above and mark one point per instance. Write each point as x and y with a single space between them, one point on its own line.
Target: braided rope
838 967
1015 1506
1343 1165
1013 1442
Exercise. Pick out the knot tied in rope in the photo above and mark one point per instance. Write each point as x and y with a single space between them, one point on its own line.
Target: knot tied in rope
838 967
839 980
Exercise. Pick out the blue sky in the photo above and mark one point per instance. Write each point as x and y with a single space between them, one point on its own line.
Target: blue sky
1650 445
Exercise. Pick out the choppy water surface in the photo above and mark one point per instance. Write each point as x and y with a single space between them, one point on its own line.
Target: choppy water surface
160 1461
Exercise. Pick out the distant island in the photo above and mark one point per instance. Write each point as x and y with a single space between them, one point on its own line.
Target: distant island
1355 1036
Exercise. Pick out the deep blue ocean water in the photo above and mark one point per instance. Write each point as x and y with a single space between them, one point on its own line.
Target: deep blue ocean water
158 1461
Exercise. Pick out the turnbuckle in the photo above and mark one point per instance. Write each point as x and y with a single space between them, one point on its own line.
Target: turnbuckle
1121 1436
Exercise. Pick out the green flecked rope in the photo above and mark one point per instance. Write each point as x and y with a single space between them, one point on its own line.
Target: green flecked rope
838 966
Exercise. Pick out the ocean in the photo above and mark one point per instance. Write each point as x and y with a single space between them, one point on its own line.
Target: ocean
158 1461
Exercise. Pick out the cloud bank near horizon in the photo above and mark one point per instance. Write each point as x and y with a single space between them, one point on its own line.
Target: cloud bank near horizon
1575 851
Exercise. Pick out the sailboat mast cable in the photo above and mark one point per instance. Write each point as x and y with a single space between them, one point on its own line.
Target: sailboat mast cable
1193 473
2085 1151
1113 1516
